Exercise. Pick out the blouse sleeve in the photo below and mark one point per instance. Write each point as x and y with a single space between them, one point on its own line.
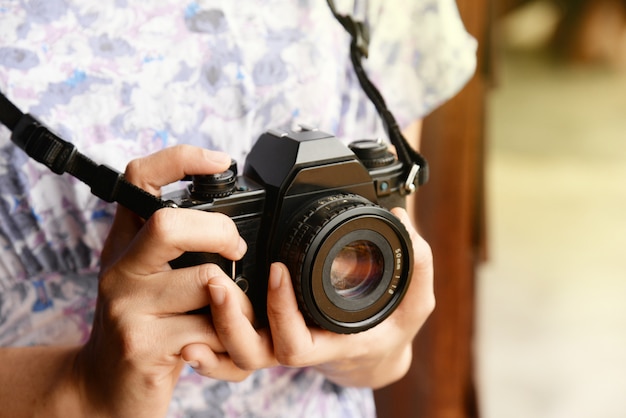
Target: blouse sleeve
420 54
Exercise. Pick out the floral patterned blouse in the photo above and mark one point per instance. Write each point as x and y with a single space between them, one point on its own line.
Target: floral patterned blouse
121 79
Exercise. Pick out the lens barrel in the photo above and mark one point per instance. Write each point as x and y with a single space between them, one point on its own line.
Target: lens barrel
350 261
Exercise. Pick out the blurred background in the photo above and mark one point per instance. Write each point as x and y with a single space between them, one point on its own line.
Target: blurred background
550 337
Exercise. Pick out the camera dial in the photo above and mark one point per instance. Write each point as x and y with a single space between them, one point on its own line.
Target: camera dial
213 186
372 153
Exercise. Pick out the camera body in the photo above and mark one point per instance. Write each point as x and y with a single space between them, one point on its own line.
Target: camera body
320 207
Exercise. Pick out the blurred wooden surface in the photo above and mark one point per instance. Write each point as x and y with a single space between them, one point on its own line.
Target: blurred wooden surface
588 31
450 213
592 31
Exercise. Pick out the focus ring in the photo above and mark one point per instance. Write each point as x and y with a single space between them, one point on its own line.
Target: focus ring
307 226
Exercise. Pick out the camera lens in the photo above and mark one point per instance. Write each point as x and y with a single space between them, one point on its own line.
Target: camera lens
357 269
350 262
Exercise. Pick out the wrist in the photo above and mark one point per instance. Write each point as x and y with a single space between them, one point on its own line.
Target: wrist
113 387
374 371
39 382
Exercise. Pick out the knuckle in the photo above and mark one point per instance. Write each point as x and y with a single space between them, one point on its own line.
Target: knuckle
228 233
133 343
117 316
105 281
128 331
424 308
113 307
111 293
113 315
427 306
226 224
134 169
423 251
206 272
431 302
163 223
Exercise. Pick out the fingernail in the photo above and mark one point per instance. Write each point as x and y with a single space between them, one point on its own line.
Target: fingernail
194 364
218 294
276 277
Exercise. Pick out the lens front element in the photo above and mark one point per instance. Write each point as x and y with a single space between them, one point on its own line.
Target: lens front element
350 262
357 269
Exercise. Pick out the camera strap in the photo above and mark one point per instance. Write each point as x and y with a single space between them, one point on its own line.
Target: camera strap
61 156
416 172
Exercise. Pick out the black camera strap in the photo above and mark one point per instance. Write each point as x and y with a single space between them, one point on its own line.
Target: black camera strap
416 172
60 156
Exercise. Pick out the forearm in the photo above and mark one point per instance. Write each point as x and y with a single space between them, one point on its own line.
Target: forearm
39 381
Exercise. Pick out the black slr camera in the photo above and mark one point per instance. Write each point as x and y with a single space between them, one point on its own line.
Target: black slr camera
320 207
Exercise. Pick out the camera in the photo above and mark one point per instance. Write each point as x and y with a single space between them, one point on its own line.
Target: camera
304 198
320 207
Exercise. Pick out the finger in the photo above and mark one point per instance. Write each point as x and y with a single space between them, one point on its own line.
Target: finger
182 330
171 232
148 173
172 164
419 300
189 289
149 337
250 349
207 362
171 292
295 344
123 229
422 249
